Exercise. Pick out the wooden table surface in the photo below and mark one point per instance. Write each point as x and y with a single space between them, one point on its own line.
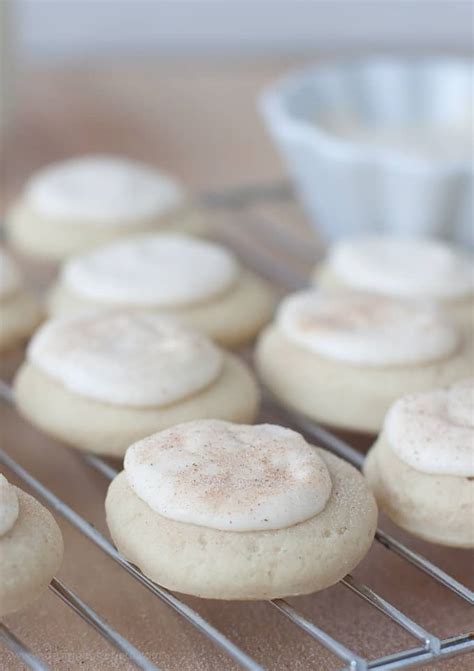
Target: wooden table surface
198 122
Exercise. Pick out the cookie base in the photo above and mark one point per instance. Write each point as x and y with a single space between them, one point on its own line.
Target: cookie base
232 318
215 564
53 240
436 508
109 429
461 310
344 395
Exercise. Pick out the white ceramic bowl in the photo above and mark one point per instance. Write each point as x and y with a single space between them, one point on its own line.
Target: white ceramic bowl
348 185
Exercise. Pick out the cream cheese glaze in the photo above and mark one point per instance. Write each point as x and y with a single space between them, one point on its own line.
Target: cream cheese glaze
9 508
228 476
363 328
105 190
10 279
402 266
129 358
433 432
159 270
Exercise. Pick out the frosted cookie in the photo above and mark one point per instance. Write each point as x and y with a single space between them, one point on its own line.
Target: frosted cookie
101 381
403 267
421 468
199 282
226 511
31 548
342 357
19 312
72 206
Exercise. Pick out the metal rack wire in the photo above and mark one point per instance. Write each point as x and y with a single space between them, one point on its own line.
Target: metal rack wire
429 646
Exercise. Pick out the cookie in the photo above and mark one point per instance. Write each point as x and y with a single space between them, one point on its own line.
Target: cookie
19 311
101 381
421 468
342 357
31 548
403 267
226 511
198 282
78 204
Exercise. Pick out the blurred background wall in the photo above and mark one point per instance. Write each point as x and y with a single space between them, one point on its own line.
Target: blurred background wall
80 29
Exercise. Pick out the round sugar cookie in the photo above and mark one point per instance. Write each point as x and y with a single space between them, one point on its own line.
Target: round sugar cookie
277 518
341 358
99 382
401 266
421 468
198 282
31 549
75 205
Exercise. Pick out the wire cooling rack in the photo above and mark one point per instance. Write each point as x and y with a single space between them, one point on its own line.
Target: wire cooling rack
283 254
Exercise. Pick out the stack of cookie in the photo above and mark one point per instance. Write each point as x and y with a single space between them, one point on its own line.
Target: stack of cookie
388 328
134 364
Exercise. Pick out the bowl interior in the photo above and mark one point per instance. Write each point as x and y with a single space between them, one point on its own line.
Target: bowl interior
385 93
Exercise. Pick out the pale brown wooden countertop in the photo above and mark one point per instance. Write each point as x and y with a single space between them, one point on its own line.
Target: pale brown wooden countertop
198 121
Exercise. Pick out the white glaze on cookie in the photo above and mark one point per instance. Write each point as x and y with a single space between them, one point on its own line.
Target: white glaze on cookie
363 328
9 508
10 279
129 358
159 270
229 476
433 431
105 190
402 266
